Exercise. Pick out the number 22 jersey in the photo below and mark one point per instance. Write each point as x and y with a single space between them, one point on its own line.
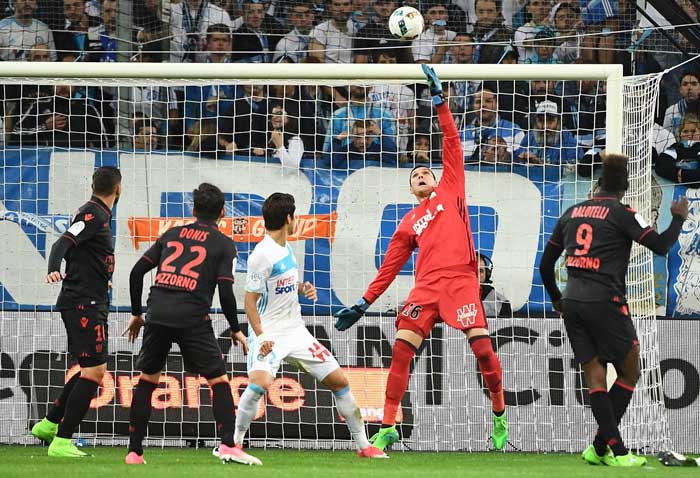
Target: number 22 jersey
597 236
191 260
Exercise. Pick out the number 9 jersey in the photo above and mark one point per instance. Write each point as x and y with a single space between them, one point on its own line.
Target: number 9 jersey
597 236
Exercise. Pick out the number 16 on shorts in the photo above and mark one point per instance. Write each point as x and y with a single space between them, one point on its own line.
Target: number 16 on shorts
412 311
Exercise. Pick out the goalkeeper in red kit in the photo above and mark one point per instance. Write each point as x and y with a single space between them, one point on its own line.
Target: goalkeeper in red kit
447 278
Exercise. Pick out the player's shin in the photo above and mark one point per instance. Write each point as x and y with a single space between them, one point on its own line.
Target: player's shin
247 408
620 395
490 367
602 409
55 414
222 403
345 403
397 381
140 414
77 406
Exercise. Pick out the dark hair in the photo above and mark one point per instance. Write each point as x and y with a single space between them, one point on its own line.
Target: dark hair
488 266
105 180
276 208
614 177
208 202
692 73
218 28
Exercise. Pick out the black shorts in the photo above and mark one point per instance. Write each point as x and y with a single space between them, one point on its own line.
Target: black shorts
86 327
200 350
599 329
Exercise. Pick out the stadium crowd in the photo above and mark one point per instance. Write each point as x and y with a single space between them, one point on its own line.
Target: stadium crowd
501 122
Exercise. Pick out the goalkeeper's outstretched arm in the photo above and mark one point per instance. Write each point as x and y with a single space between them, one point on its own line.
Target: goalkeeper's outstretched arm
398 252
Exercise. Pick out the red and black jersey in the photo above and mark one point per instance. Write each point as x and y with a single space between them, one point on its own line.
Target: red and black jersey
191 260
597 237
90 257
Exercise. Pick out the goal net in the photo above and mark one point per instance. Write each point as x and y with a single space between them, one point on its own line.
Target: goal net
342 140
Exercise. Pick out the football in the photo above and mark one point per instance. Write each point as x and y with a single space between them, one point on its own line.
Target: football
406 23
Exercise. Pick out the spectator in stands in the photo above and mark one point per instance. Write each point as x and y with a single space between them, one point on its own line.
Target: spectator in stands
487 123
146 135
375 36
208 102
421 147
462 49
40 52
331 41
294 44
591 107
243 127
495 151
539 17
367 143
102 39
399 100
493 302
489 32
358 108
538 91
680 163
433 45
189 21
283 141
71 38
149 28
548 143
252 44
361 14
271 25
568 24
157 103
63 119
301 106
20 31
543 50
690 92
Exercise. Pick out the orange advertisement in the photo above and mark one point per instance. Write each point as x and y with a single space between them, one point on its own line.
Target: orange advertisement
240 229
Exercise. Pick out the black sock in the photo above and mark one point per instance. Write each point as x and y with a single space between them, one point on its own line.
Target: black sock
58 409
222 403
620 396
602 409
77 406
139 414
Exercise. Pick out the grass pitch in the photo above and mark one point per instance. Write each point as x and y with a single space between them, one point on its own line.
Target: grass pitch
108 462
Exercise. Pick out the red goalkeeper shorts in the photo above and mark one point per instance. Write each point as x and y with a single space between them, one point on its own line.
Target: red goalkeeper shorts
453 300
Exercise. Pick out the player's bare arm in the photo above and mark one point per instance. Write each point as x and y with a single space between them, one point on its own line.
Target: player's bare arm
308 290
251 310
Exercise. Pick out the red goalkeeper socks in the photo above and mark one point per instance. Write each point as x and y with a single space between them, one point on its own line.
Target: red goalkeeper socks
397 381
490 368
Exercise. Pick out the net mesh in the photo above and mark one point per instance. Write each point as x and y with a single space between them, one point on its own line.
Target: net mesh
342 149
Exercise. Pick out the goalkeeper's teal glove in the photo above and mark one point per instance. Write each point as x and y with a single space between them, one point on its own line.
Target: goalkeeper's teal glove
347 316
434 85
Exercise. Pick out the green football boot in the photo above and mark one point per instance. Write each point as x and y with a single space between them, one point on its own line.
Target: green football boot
590 456
629 460
64 448
500 431
45 430
385 437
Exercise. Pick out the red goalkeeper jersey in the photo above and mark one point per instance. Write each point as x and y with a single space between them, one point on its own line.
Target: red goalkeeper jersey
438 226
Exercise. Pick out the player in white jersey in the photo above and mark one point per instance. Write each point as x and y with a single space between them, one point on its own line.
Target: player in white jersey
277 331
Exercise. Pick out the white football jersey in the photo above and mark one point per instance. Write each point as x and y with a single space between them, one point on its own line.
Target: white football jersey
273 273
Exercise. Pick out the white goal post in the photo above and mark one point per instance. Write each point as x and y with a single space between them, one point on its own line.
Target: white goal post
347 216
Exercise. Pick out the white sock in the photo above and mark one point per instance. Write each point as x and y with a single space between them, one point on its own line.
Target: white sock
247 408
345 403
